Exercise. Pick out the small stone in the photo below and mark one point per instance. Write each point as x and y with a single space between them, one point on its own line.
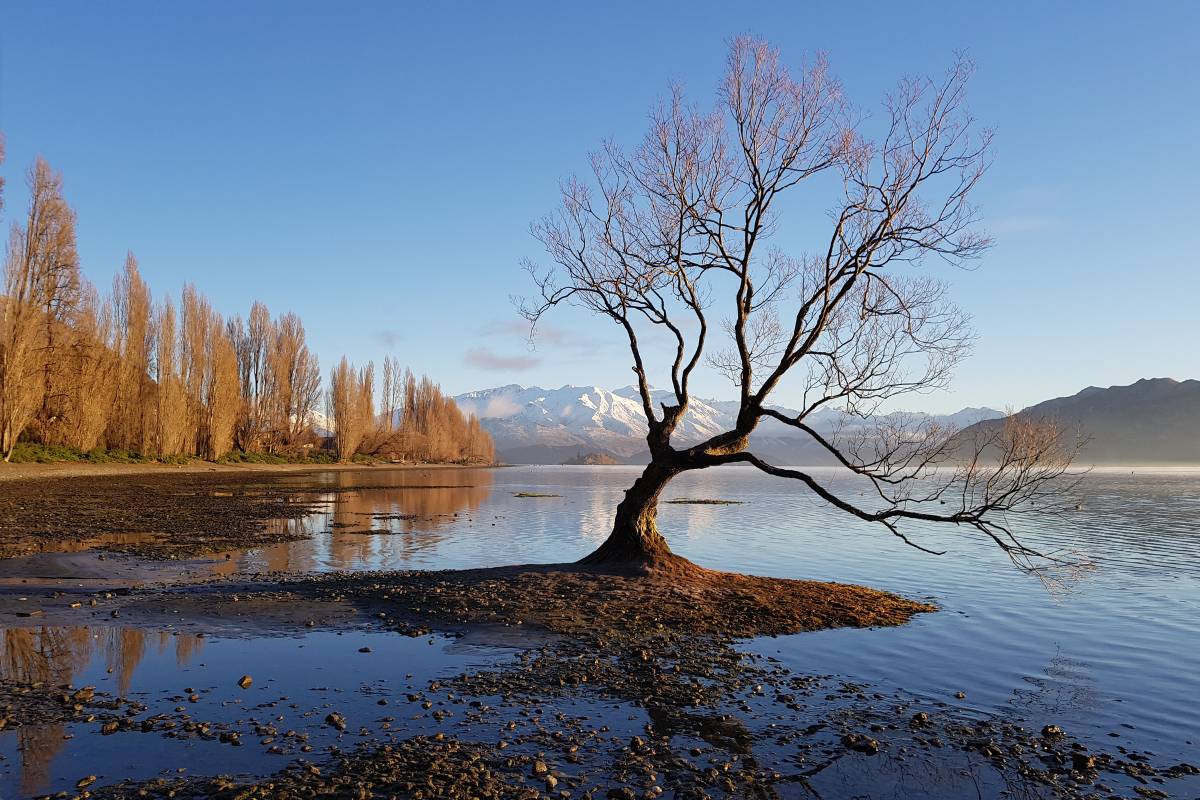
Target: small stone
364 649
540 768
1051 731
1082 762
860 743
83 783
336 720
245 681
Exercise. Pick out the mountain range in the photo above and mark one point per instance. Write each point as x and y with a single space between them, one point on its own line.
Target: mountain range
1155 420
533 425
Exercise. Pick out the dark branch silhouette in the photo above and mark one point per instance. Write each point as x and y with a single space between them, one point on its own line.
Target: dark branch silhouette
680 229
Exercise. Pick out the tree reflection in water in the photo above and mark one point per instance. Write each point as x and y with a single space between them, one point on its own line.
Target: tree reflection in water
374 520
55 656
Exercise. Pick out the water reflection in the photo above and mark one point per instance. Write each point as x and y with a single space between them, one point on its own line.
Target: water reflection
56 657
372 520
299 678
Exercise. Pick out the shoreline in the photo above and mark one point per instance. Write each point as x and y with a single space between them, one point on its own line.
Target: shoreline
76 469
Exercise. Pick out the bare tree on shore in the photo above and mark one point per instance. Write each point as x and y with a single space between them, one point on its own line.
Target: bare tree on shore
676 240
171 410
42 290
350 406
130 426
94 370
295 378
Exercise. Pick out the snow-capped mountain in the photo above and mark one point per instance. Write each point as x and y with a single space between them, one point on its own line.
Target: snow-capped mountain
536 425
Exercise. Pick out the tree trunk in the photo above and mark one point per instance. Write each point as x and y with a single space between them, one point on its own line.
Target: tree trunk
635 538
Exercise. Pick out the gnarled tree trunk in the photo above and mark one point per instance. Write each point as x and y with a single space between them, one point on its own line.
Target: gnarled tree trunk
635 538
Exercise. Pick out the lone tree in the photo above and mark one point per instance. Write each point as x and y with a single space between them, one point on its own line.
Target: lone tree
661 237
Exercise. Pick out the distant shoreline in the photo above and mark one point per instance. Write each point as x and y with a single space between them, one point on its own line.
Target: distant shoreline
73 469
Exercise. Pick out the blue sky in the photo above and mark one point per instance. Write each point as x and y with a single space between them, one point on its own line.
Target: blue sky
375 166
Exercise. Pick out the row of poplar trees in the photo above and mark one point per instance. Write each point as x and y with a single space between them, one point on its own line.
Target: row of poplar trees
125 373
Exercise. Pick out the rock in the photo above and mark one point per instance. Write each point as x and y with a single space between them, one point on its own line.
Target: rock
83 783
1082 762
336 720
920 718
551 782
960 695
1050 731
540 768
245 681
861 744
109 727
364 649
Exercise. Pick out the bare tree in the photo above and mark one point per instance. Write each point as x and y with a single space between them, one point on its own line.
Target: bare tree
252 341
20 391
294 379
391 399
50 262
690 215
42 289
350 406
209 376
93 366
171 406
222 398
130 425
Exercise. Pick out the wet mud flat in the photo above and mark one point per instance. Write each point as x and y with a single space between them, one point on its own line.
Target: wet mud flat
530 682
165 515
159 515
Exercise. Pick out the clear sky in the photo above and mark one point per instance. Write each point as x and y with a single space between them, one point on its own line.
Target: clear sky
375 166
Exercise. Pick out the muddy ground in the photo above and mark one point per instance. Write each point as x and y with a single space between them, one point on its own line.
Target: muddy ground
163 511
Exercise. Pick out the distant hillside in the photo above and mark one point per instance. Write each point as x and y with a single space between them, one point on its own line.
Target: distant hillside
592 460
1153 421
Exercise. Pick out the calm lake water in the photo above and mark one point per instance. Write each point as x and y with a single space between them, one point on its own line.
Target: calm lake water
1114 656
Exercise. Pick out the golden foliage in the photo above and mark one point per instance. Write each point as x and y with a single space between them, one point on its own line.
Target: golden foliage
124 373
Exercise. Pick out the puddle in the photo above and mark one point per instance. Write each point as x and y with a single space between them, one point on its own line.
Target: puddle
296 683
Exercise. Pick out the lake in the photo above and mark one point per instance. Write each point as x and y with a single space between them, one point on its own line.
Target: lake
1113 654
